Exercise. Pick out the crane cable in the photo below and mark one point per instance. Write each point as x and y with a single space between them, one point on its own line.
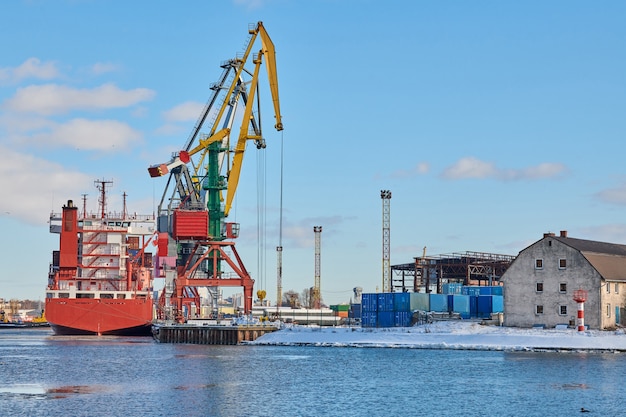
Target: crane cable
261 218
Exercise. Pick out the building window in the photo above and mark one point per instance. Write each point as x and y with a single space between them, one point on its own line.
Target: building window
616 288
562 263
608 310
562 287
563 310
538 309
608 288
540 287
538 263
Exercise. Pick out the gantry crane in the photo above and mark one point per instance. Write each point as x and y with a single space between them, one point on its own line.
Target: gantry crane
203 179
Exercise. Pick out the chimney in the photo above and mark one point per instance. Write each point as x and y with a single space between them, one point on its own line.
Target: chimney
563 233
549 234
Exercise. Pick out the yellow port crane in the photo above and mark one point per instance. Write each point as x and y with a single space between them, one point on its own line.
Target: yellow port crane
193 208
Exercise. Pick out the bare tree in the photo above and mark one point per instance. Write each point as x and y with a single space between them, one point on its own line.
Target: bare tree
291 299
306 298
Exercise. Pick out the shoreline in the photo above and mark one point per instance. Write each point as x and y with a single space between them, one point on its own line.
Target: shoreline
460 335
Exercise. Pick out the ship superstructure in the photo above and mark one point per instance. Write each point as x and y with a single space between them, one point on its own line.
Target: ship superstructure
101 278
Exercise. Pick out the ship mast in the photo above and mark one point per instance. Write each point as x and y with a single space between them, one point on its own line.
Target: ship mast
124 208
84 204
102 200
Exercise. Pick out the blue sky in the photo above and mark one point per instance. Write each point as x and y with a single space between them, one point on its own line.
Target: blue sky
491 123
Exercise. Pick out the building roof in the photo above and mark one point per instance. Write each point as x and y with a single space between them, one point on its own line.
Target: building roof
593 246
609 259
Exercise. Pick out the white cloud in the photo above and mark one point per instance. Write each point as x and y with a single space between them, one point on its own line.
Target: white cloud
184 112
58 99
21 123
614 233
103 68
101 135
419 169
470 167
31 68
34 189
615 195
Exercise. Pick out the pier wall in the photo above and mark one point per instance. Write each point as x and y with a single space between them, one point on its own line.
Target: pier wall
209 335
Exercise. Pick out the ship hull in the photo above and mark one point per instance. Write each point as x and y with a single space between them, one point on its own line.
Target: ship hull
88 316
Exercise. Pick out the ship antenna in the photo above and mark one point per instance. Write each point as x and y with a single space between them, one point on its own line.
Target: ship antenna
84 205
124 209
101 186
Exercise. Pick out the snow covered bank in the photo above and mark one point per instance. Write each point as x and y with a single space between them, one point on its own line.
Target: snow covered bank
450 335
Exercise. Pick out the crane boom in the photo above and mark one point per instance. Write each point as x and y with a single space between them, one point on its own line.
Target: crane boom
270 53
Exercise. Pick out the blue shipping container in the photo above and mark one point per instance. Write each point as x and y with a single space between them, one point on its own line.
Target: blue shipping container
452 288
401 301
386 319
439 302
485 290
460 304
484 306
473 300
470 290
419 301
497 304
385 301
369 302
403 318
497 290
369 319
355 311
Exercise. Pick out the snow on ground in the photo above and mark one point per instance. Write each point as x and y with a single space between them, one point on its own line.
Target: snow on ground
449 335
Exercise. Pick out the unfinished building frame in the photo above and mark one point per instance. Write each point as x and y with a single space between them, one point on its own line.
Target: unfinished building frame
429 273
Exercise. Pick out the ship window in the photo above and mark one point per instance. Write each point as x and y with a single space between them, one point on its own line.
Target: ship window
121 296
563 310
538 309
64 295
538 263
82 295
126 224
106 295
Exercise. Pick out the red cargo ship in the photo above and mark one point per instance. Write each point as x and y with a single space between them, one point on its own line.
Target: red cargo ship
100 280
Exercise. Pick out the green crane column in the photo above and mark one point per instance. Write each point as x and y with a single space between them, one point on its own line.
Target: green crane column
214 184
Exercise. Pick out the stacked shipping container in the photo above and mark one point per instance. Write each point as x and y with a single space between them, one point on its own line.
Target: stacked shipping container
386 310
396 309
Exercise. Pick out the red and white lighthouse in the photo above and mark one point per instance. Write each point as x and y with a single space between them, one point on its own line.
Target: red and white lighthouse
580 296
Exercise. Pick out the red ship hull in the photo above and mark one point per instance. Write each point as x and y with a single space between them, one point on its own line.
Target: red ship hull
84 316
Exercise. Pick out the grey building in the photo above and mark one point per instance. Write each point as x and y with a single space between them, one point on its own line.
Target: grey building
539 285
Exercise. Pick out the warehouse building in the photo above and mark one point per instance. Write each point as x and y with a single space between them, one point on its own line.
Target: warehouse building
539 285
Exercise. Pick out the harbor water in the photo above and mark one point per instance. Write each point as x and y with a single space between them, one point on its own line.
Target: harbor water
45 375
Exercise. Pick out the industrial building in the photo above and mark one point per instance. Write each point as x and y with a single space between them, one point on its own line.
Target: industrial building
539 285
430 273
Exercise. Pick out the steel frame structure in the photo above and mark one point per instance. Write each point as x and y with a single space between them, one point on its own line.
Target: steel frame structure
464 267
